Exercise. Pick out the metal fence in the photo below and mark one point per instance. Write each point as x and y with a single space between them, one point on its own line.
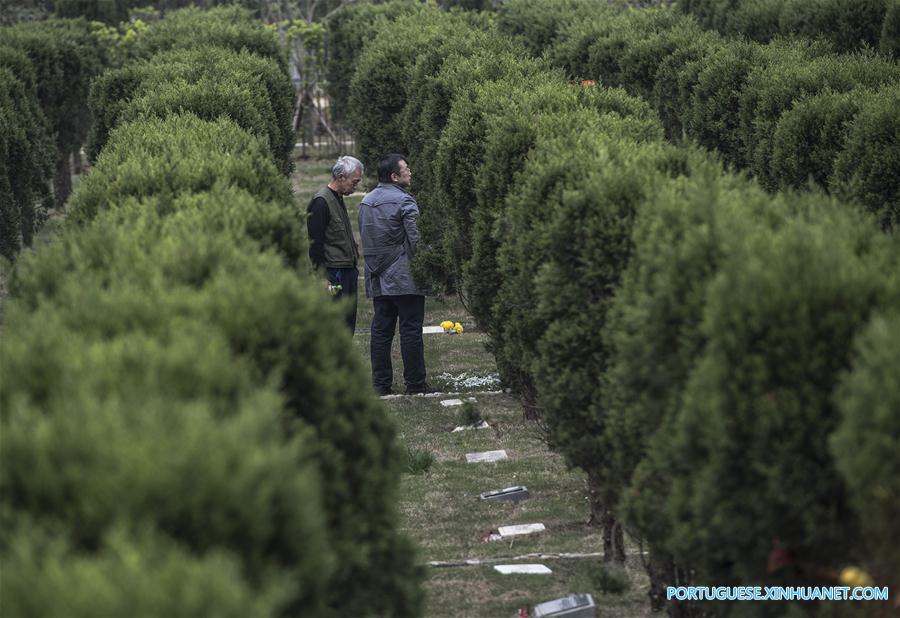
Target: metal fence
319 134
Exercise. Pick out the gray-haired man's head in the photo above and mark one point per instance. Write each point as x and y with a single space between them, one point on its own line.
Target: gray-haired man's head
346 174
345 166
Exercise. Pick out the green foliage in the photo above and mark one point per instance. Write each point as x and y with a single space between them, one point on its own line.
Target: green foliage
868 169
26 155
791 73
378 91
418 461
130 574
347 32
431 91
536 25
469 415
65 55
625 33
847 25
713 120
253 303
207 81
179 154
106 11
809 136
459 155
653 330
889 45
581 252
865 442
141 373
676 79
757 20
749 452
230 26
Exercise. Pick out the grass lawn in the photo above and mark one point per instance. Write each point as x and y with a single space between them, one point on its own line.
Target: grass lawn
440 508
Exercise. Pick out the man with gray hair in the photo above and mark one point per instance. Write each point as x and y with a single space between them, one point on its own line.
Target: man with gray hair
331 243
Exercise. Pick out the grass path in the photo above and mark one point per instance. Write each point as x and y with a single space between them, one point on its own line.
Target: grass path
440 508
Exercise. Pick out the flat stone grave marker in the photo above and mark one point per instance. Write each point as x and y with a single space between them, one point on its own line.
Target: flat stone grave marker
522 569
572 606
520 529
451 403
516 493
432 330
486 457
481 425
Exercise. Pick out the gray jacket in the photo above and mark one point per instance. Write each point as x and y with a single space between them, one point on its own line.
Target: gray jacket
387 227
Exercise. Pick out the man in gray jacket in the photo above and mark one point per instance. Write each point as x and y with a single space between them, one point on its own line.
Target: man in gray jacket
387 223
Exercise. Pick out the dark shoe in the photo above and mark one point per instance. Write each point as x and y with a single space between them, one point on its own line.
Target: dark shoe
382 392
420 389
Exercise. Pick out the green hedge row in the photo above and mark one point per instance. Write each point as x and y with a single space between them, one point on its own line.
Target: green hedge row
847 25
790 112
701 348
208 81
45 72
113 12
186 429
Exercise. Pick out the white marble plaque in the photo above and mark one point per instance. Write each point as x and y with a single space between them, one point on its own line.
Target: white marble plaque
481 425
432 330
450 403
523 569
573 606
519 530
486 456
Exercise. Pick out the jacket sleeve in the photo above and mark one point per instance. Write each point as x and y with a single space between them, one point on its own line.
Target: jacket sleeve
316 223
409 212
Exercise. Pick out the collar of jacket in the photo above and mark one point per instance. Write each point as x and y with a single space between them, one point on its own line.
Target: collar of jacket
388 185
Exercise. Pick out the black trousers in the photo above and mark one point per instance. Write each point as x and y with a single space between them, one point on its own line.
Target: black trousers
348 279
410 309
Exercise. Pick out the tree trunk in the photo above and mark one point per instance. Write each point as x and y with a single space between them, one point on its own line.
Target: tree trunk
62 181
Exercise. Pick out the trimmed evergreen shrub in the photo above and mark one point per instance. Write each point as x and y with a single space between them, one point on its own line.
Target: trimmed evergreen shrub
378 90
232 27
131 574
148 432
347 32
713 118
253 303
431 91
846 24
652 338
26 161
748 453
809 136
207 81
868 168
676 79
757 20
791 73
179 154
537 25
107 11
865 443
889 45
624 32
457 156
641 55
577 257
65 56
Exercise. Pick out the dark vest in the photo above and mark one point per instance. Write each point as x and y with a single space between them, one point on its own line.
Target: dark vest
340 248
